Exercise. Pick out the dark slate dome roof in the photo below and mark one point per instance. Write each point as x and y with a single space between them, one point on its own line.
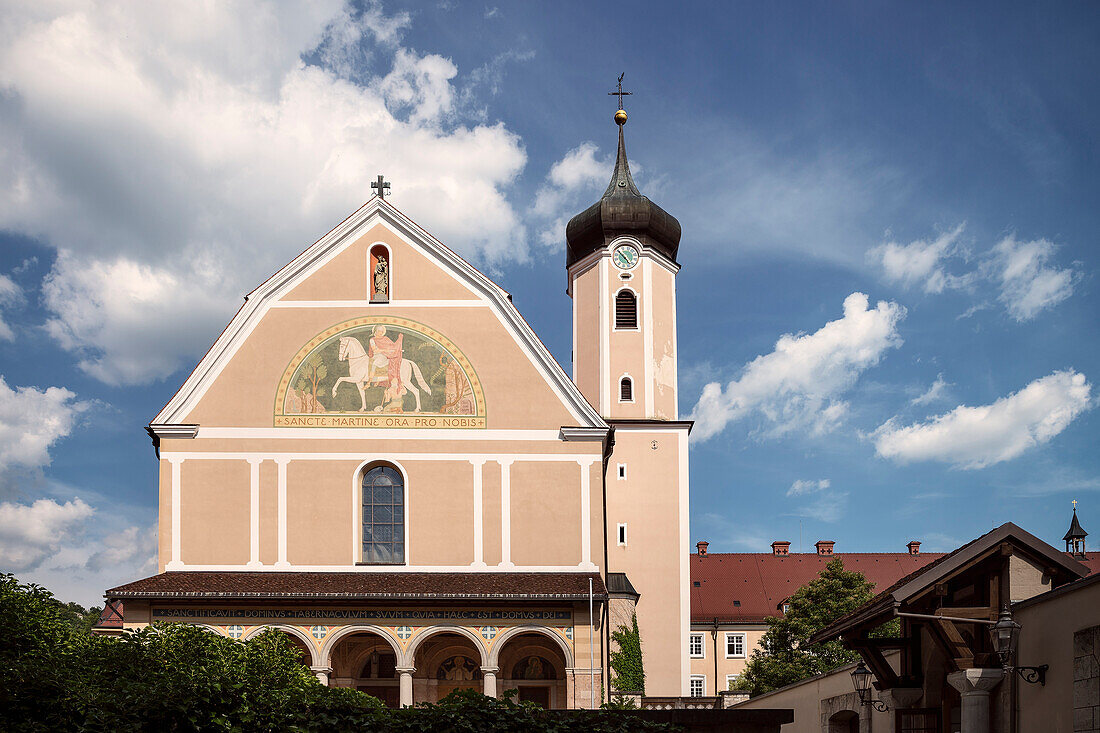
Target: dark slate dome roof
622 210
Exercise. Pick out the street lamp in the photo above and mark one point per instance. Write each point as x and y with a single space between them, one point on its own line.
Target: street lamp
861 680
1006 636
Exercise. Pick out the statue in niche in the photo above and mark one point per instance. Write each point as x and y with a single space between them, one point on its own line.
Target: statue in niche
381 279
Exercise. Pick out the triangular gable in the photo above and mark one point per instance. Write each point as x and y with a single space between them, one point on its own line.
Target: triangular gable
343 235
925 579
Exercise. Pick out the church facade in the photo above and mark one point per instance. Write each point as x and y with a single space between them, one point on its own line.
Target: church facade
379 458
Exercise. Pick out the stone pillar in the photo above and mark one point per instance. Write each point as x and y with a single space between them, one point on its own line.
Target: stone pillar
322 674
974 685
489 676
406 685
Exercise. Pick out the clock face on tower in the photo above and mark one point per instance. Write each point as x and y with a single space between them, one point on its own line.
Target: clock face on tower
625 257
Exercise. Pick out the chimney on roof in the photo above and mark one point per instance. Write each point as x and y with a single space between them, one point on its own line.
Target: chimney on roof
824 547
914 547
781 547
702 546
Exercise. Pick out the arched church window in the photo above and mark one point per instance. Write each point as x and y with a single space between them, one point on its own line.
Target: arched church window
626 390
383 516
380 270
626 309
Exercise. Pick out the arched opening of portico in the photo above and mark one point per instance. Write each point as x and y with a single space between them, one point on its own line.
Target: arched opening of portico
365 661
534 665
444 662
845 721
305 650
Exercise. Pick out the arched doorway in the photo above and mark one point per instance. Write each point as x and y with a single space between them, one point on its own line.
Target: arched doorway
534 665
845 721
365 661
446 661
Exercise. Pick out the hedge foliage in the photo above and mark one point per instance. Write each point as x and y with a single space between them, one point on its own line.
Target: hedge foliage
174 677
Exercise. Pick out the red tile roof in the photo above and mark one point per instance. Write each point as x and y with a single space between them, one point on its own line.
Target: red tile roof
363 586
111 616
760 582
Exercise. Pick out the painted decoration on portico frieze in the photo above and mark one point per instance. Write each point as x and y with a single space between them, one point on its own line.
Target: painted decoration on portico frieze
380 372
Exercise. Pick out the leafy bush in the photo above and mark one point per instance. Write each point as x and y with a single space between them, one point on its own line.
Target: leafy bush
626 660
175 677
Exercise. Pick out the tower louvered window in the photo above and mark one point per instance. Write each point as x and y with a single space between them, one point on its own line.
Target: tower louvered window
626 310
626 390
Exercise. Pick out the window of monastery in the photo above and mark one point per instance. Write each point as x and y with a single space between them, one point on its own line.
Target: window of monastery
622 535
626 309
731 680
735 646
697 685
695 646
383 516
622 471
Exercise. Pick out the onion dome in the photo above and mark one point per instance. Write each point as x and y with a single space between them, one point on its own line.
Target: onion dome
622 210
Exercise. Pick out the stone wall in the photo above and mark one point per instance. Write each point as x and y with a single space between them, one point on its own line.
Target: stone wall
1086 680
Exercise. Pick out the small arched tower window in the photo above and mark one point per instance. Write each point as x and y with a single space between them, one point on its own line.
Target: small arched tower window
383 516
626 390
626 309
380 270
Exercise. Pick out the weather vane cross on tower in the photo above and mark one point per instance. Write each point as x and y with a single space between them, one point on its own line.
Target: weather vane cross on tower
620 94
381 185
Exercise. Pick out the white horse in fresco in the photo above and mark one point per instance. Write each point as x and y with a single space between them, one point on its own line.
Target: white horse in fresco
359 372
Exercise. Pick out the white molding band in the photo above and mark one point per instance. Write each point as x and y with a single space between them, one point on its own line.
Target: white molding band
163 431
586 515
605 339
647 336
361 455
479 515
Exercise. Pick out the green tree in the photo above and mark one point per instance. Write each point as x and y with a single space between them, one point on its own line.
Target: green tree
785 655
626 661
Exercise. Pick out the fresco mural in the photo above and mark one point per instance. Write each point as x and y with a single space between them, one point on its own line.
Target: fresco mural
382 372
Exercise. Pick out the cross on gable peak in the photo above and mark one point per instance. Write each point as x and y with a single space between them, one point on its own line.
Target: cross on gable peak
381 186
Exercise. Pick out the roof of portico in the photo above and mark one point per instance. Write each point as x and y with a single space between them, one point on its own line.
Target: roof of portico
363 586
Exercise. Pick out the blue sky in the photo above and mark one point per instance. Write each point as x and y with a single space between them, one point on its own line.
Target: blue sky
939 159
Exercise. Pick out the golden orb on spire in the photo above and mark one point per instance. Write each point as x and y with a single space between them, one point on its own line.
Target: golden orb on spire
620 117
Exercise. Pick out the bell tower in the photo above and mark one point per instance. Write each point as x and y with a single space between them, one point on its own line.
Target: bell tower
622 278
621 259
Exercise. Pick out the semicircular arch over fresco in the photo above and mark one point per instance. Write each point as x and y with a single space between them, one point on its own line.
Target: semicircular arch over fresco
380 372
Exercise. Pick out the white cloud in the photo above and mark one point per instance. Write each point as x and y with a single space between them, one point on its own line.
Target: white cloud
560 196
9 293
802 486
817 499
921 262
31 533
975 437
32 420
798 385
198 149
932 394
1027 284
